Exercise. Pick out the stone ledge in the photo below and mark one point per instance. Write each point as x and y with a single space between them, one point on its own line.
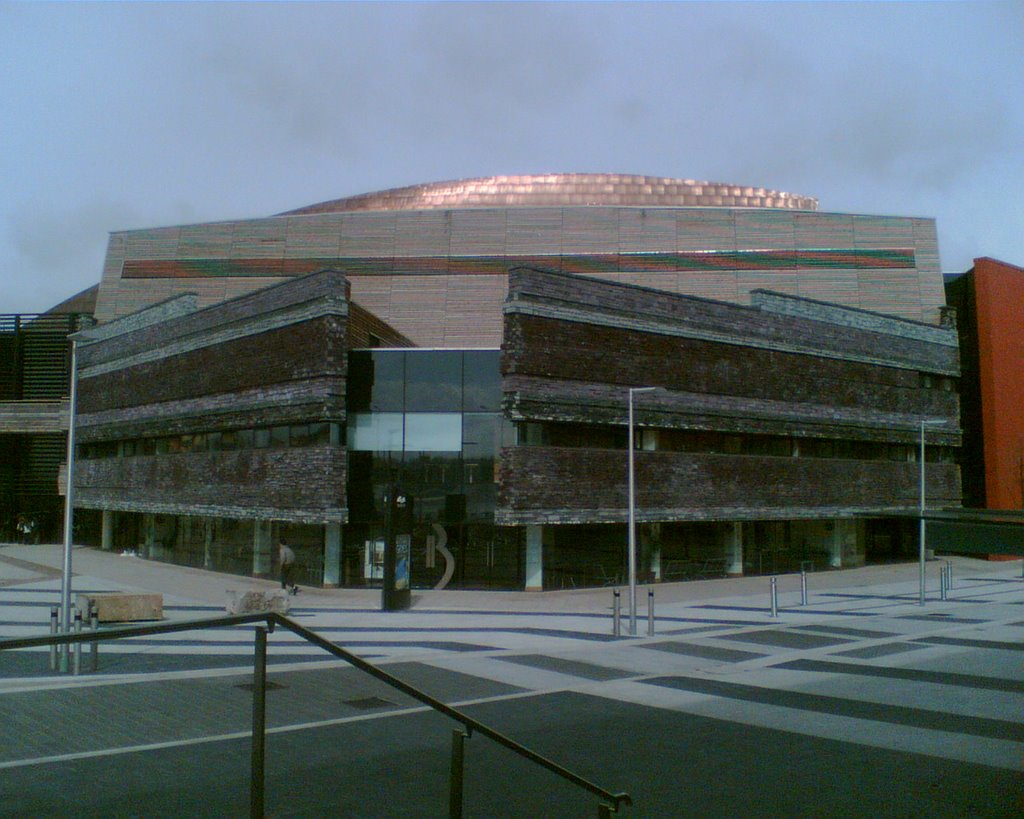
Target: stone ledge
121 607
249 601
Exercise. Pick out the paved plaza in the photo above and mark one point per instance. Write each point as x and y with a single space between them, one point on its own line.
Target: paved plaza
860 703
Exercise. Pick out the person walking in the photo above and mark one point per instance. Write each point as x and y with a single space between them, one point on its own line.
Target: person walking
286 557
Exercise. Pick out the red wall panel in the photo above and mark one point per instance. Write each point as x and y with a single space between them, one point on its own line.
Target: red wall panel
999 289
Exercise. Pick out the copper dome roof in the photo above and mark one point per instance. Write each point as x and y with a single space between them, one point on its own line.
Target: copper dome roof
564 189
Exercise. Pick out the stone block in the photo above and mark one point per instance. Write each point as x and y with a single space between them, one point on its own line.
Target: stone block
250 601
122 607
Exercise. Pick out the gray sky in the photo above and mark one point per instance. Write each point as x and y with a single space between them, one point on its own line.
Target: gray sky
117 116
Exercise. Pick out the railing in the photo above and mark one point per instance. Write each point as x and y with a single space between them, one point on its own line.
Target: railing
610 802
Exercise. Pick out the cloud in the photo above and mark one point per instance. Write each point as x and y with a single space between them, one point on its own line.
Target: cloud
56 251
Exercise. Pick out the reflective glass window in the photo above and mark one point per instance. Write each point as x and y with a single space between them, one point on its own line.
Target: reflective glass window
376 432
433 431
433 381
385 380
278 437
480 434
481 379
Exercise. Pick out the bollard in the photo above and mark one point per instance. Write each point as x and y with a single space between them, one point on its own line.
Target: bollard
650 612
775 597
54 612
94 624
942 583
803 587
949 575
616 613
78 646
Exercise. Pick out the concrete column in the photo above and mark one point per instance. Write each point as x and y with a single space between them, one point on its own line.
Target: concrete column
332 555
207 543
534 558
107 535
262 548
651 542
834 545
734 548
148 535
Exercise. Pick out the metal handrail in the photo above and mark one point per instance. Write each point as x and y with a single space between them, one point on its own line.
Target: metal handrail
612 801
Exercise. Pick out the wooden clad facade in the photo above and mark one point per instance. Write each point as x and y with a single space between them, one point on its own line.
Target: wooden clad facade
395 259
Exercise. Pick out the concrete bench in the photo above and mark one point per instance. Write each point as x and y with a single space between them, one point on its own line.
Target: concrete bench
121 607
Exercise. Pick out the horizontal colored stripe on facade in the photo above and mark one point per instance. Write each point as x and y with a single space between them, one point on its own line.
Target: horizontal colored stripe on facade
583 264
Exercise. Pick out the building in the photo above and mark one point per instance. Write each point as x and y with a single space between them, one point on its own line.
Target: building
34 377
476 343
989 300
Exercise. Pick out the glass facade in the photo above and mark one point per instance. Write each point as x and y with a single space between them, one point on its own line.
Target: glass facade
430 422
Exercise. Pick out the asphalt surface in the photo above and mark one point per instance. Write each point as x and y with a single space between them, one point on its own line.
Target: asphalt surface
861 703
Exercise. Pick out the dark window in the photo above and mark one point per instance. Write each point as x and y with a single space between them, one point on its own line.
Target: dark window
261 438
278 437
433 381
817 448
384 388
481 379
319 434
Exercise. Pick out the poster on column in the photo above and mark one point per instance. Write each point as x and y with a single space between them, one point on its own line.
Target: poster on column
403 552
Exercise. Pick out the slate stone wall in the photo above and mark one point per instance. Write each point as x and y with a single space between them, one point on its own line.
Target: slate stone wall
799 368
276 357
300 485
569 485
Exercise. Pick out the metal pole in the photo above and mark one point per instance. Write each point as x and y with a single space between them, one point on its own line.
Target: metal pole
259 723
632 525
650 612
53 631
78 646
775 597
616 613
455 775
803 587
632 512
69 501
949 575
94 624
921 534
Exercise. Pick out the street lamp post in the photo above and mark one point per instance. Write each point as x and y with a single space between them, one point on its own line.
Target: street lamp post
632 514
69 507
921 524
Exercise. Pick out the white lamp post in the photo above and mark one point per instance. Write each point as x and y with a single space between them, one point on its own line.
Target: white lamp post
632 514
921 535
